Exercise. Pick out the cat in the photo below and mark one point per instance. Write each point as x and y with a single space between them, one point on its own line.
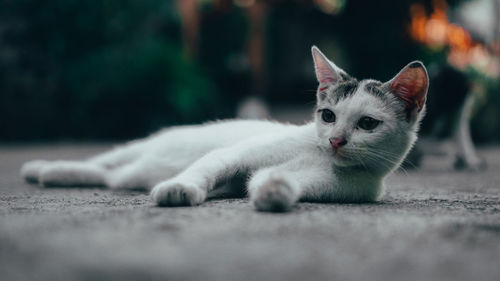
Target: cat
361 131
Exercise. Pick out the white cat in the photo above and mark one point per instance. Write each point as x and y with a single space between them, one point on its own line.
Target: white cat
361 132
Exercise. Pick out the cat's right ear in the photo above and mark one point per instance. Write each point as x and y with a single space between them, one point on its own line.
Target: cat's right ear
326 71
410 85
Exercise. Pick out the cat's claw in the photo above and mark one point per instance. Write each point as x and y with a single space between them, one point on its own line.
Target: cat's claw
274 196
177 194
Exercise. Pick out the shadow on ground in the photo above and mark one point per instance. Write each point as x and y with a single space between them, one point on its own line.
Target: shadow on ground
433 224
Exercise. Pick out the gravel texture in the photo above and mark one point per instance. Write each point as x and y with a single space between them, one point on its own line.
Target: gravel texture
432 224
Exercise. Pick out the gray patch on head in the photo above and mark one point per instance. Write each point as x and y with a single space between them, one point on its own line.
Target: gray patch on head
344 90
375 88
382 92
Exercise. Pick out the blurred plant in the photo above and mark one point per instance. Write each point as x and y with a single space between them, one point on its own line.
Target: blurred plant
96 69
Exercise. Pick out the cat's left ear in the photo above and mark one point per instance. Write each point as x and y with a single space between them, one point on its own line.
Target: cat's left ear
411 85
326 71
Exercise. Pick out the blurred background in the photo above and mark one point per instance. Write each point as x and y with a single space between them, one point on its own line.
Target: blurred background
119 69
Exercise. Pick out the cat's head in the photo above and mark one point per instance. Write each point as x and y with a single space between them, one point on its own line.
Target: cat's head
367 123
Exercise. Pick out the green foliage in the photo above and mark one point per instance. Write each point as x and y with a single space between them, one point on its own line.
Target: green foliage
96 69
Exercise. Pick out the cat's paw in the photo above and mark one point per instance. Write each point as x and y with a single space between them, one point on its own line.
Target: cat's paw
275 195
30 171
172 193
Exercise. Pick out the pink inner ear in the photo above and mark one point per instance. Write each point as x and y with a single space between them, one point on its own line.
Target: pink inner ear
411 86
324 71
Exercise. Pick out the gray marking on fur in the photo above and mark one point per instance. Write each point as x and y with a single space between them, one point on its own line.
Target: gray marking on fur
375 88
344 90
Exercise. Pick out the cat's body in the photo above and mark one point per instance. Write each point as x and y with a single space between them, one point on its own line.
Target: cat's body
361 132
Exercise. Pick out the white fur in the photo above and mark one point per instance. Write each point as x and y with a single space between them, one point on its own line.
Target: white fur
286 163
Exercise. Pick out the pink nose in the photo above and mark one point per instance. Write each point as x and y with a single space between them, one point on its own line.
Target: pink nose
338 142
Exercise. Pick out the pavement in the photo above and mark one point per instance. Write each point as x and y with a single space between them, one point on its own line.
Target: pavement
432 224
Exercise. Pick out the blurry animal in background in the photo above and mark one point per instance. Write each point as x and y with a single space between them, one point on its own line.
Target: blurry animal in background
447 132
361 132
467 36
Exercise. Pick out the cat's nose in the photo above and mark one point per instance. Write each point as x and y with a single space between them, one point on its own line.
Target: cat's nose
338 142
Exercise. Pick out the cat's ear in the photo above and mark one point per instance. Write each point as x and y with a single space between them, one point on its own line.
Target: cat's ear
410 85
326 71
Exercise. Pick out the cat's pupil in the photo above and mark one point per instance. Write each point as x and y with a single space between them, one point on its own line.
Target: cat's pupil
368 123
328 116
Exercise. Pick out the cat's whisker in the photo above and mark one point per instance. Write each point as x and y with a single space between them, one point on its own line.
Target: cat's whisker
409 162
376 158
362 163
388 159
391 161
394 157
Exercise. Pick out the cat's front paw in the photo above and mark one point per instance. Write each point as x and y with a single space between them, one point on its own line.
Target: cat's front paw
172 193
275 195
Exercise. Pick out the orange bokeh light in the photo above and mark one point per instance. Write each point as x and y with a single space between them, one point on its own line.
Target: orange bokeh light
437 32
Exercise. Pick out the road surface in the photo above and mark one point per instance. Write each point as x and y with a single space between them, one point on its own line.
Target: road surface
432 224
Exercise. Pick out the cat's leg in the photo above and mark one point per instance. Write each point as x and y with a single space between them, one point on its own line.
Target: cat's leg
61 173
91 172
121 155
278 188
191 186
71 173
64 173
273 190
143 173
30 171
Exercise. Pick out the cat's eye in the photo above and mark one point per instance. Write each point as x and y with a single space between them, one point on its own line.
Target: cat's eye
328 116
368 123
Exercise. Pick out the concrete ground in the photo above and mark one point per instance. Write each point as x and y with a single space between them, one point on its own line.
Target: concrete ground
432 224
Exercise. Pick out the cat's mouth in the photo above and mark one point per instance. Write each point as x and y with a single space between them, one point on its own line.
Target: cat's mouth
340 154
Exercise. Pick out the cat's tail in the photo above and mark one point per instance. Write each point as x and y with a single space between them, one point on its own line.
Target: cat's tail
64 173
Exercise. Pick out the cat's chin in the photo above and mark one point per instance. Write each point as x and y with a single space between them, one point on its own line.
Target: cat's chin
342 161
